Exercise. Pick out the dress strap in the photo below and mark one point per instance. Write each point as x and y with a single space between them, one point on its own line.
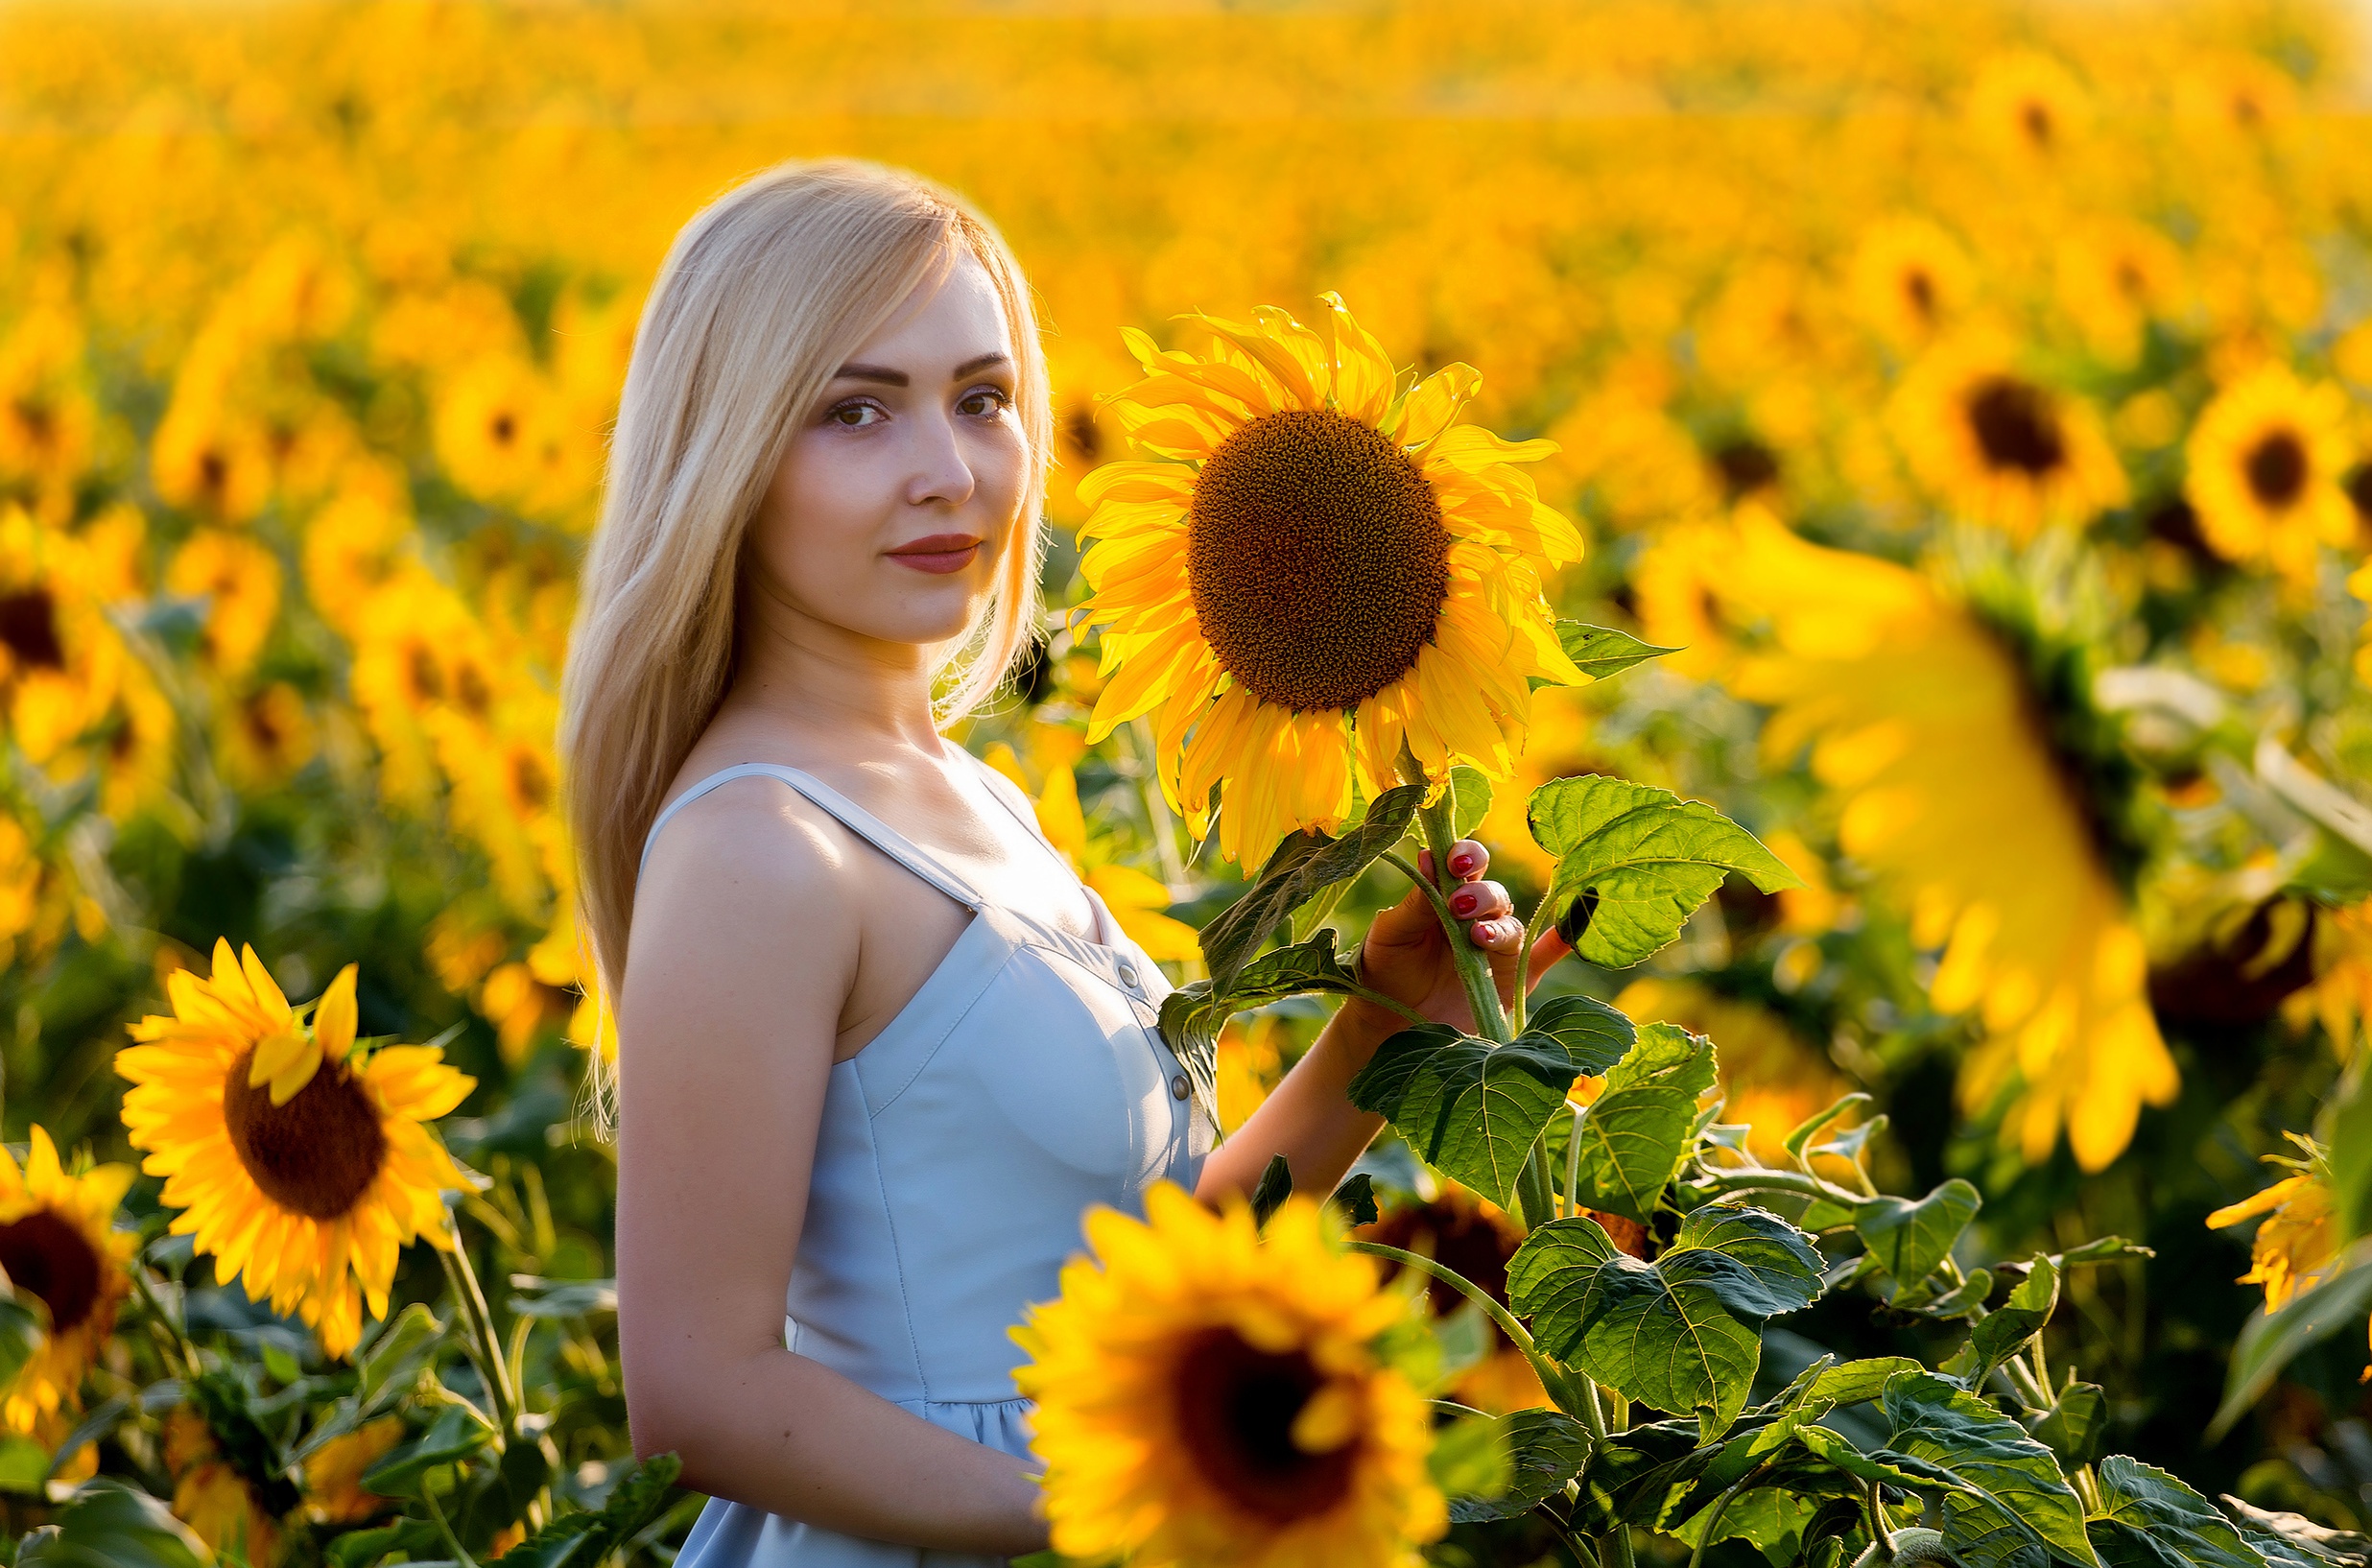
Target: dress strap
850 815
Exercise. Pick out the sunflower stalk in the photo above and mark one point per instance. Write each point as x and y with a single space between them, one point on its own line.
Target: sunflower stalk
1574 1395
486 1349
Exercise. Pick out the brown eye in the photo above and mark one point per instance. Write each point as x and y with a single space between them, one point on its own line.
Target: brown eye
856 415
982 401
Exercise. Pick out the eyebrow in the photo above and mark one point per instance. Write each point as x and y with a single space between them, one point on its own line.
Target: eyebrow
888 378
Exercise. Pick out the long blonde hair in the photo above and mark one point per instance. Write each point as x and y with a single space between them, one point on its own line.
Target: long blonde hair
765 294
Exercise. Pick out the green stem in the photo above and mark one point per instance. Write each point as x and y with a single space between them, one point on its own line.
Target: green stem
461 1555
1532 1191
1573 1160
1474 965
1552 1377
1779 1181
177 1339
1880 1526
492 1365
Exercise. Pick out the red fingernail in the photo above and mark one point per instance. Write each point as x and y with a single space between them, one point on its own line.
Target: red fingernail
1460 863
1463 904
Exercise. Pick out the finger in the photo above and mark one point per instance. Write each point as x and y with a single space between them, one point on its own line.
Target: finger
1481 901
1468 859
1424 864
1498 936
1545 954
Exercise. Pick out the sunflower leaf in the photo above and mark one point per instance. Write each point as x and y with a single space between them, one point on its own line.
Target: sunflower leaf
110 1523
2006 1505
2148 1519
1546 1449
1300 869
1909 1239
1634 862
20 1335
582 1539
2269 1341
1470 796
1355 1201
2073 1426
1682 1333
1594 1034
1635 1135
1275 1185
2291 1540
451 1437
1468 1107
2001 1334
1601 650
1193 1015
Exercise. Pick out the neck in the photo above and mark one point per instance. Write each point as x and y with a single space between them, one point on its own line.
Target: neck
865 696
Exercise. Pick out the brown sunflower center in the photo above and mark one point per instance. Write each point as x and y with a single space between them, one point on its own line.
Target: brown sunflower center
46 1253
1236 1407
317 1155
2016 426
2276 468
1317 557
29 629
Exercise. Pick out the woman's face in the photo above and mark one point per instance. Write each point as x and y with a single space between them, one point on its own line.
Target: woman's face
897 497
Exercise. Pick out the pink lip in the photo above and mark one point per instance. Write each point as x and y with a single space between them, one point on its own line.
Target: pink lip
939 553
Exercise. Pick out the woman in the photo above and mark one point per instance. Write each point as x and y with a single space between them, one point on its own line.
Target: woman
879 1048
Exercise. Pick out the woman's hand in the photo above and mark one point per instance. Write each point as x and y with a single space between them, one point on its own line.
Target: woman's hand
1407 954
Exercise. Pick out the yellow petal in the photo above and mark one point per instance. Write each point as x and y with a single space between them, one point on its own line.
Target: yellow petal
267 991
335 1017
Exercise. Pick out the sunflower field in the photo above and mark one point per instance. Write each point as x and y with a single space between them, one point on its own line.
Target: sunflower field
1919 453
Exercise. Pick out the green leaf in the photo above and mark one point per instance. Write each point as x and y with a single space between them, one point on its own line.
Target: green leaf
2004 1333
1635 1135
2105 1250
1193 1015
1681 1334
2011 1508
1470 799
584 1539
2148 1519
2268 1342
1636 1477
2291 1540
1645 856
24 1465
1355 1201
453 1436
2345 1126
1911 1239
1594 1034
1546 1448
1601 650
89 1429
1468 1107
1809 1128
1275 1185
2073 1427
1470 1458
1297 870
1817 1390
566 1299
1962 1298
108 1525
416 1538
21 1334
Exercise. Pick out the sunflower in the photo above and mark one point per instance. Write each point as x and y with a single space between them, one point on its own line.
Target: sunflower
1922 722
2001 447
1208 1394
2300 1236
59 1242
2268 461
1909 280
334 1491
297 1161
227 1510
240 581
1309 563
2115 277
2026 105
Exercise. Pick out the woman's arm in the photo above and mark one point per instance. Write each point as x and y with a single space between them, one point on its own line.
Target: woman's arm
744 948
1310 1119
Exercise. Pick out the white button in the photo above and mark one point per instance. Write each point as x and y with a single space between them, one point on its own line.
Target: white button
1128 974
1178 1088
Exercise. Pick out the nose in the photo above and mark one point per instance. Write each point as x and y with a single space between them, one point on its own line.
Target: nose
941 474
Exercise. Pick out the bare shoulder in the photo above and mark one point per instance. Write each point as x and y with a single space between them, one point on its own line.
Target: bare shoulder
748 870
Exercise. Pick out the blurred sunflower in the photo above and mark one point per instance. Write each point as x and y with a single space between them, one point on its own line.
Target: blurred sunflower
1999 447
240 581
1307 567
2114 278
1922 721
232 1512
2268 461
1909 280
2028 106
2300 1235
296 1162
59 1243
48 419
1207 1395
334 1493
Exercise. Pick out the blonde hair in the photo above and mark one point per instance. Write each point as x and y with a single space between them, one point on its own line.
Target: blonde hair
763 294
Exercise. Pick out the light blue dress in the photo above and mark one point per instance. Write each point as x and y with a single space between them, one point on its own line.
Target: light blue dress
961 1147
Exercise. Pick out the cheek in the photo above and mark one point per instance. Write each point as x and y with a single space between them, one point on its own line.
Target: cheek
815 516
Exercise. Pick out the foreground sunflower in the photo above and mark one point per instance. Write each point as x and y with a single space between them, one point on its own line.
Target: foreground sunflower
1207 1395
2267 461
59 1242
1308 563
297 1161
